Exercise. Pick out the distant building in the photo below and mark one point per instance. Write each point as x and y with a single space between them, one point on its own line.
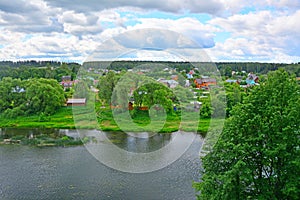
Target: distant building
205 82
252 79
190 74
174 77
168 83
66 81
76 102
187 83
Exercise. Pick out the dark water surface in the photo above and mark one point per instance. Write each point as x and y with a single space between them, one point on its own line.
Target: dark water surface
73 173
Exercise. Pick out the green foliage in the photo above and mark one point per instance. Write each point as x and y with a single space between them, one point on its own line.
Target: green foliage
33 96
258 155
206 110
154 93
106 86
37 69
234 96
43 95
81 90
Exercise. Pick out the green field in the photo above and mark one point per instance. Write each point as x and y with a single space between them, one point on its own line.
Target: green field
103 118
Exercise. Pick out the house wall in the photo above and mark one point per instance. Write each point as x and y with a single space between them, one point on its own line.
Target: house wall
204 84
76 104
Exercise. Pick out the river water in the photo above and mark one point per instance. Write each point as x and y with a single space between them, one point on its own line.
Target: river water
28 172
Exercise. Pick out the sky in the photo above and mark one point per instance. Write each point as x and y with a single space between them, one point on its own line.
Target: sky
225 30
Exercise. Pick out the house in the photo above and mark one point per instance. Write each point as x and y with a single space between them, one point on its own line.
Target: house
252 79
66 78
66 81
174 77
168 83
187 83
205 82
190 74
76 102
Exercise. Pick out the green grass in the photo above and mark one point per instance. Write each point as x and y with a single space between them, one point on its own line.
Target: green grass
142 122
63 119
102 118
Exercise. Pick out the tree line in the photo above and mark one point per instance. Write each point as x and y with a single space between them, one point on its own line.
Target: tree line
33 69
255 67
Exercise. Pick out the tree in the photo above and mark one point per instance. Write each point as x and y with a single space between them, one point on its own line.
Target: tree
81 90
106 86
227 71
12 94
152 93
258 154
43 96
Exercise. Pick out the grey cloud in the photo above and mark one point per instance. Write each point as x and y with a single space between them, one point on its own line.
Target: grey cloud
149 42
90 19
29 25
24 16
152 38
17 6
176 6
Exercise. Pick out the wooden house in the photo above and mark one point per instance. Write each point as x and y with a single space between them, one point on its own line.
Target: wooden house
76 102
205 82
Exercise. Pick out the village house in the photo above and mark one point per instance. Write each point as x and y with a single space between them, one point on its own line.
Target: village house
252 79
174 77
67 82
190 74
168 83
76 102
205 82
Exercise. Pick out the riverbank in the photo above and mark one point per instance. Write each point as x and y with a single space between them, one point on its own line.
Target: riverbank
42 137
105 120
62 119
41 140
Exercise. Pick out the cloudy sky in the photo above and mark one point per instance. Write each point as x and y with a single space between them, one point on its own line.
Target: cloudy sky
227 30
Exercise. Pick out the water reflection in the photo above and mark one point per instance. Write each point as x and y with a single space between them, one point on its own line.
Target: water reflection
29 132
128 153
139 142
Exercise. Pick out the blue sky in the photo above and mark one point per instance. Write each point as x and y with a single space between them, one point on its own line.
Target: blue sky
226 30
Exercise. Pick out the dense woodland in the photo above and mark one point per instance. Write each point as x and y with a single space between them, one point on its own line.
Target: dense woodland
48 69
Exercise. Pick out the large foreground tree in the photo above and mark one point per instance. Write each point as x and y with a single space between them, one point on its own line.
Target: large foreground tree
258 153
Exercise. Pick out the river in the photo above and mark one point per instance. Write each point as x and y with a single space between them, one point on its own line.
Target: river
28 172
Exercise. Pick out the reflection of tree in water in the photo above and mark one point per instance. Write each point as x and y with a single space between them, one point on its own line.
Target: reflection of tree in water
139 142
30 131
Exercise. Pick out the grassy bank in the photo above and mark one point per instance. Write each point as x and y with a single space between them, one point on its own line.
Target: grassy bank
62 119
140 121
104 119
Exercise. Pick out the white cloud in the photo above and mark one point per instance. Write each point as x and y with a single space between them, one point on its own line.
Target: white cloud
53 29
191 28
260 34
46 46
